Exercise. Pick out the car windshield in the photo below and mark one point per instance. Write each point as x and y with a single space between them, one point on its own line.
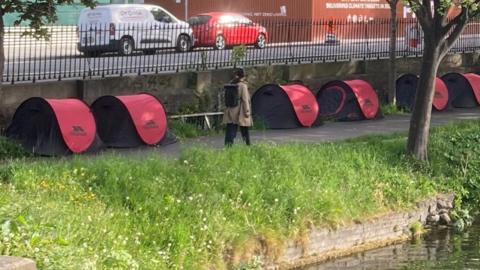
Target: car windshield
243 20
198 20
228 19
160 15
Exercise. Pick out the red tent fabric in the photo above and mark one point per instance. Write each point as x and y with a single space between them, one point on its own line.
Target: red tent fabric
54 127
148 116
366 97
76 123
474 80
406 88
303 102
440 100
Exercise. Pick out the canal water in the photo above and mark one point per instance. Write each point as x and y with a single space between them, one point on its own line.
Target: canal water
440 249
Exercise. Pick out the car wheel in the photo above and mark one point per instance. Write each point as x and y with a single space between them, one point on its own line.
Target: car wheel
126 46
149 51
183 43
261 41
220 43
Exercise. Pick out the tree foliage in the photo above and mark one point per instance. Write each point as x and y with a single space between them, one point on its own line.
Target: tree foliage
446 19
37 13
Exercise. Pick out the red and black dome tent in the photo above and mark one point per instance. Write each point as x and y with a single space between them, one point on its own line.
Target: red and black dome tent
406 88
54 126
348 100
130 121
285 106
463 89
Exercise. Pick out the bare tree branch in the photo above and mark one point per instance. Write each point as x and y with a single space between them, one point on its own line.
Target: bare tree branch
440 14
461 20
463 16
392 3
423 20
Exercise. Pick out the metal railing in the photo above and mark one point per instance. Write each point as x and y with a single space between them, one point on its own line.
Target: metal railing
96 51
204 121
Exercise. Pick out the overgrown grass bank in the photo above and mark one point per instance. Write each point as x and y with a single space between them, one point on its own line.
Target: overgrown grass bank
211 209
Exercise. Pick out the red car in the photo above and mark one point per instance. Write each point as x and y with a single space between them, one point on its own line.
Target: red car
221 29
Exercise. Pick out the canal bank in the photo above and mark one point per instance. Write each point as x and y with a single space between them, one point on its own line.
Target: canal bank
440 249
321 244
215 205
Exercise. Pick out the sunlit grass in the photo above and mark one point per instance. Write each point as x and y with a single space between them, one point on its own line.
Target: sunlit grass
209 208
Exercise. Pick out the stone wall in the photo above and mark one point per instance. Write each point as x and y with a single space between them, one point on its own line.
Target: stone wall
199 91
323 243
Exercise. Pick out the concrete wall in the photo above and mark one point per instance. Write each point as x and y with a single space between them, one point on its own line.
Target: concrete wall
324 243
11 96
199 91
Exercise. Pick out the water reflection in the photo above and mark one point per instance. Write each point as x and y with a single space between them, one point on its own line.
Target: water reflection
441 249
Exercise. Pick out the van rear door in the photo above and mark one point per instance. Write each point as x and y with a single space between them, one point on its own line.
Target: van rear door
94 26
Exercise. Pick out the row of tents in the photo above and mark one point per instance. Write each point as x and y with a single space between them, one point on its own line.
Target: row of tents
63 126
294 105
452 90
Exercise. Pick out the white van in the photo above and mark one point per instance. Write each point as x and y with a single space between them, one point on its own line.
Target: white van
125 28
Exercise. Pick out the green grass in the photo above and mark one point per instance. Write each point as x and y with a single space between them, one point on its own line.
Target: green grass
184 130
9 149
216 208
389 109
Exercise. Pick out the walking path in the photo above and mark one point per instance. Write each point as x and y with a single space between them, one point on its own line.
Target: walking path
330 131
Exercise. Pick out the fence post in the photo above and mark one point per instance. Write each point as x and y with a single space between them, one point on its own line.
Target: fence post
367 43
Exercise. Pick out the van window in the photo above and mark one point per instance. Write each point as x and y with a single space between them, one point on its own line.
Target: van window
160 15
199 20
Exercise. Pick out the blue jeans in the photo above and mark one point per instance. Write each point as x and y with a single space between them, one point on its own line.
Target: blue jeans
231 133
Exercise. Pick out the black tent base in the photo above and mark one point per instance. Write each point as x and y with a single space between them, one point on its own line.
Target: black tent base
36 128
460 91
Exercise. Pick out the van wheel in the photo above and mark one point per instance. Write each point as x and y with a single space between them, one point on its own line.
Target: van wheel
220 43
183 43
261 41
126 46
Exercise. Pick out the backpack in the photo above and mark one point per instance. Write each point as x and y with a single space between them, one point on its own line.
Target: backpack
231 95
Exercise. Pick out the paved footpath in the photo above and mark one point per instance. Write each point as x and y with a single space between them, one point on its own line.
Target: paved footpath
330 131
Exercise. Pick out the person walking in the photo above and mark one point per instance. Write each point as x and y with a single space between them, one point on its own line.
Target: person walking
238 112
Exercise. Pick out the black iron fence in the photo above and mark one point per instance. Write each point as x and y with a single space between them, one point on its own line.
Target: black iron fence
103 50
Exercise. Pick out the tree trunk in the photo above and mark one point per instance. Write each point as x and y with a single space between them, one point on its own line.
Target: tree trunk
392 74
422 110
